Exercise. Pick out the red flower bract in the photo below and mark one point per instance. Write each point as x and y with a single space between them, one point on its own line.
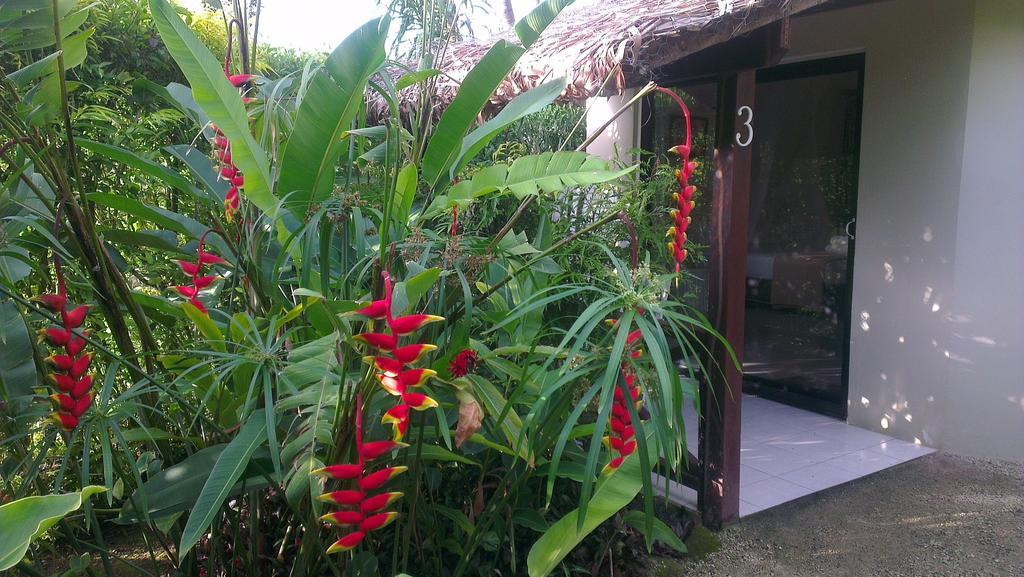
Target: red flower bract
683 199
195 271
69 377
622 441
391 363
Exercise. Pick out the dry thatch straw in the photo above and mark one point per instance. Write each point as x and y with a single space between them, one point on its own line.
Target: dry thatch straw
618 41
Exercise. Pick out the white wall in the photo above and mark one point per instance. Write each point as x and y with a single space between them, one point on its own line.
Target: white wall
985 408
937 309
615 143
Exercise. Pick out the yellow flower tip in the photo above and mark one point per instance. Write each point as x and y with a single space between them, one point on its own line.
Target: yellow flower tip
320 471
395 471
338 548
432 319
671 231
428 348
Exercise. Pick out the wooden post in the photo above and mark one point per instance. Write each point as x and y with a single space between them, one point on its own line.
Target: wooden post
719 498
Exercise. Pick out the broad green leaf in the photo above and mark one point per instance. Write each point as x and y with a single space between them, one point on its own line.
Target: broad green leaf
446 142
329 105
225 473
556 171
177 488
521 106
408 293
613 492
27 519
439 453
533 24
144 165
405 194
411 78
220 101
17 363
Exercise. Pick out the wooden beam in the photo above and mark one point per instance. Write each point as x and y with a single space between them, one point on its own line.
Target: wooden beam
759 48
719 498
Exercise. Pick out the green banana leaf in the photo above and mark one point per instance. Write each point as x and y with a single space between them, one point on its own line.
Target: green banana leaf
613 492
27 519
331 101
228 469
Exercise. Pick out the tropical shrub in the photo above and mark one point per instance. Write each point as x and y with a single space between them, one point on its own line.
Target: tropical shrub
321 346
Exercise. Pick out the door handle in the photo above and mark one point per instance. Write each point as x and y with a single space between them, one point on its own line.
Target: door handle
848 225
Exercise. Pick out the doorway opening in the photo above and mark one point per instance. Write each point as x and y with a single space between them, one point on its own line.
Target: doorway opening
800 239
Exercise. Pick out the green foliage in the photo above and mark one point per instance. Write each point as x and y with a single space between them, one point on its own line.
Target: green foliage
27 519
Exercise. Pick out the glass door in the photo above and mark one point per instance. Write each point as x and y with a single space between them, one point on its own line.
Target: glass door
801 232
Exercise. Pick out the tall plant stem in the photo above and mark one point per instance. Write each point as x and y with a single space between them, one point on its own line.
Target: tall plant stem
599 222
82 218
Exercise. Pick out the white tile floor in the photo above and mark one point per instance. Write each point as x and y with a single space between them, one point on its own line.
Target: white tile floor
787 453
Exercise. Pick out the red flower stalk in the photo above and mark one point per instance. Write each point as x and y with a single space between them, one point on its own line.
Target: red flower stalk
392 362
364 510
464 363
680 213
194 270
74 387
621 441
222 153
229 172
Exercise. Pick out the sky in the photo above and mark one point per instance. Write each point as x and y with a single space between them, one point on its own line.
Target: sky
319 25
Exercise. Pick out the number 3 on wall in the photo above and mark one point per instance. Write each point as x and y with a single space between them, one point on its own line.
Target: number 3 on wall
742 139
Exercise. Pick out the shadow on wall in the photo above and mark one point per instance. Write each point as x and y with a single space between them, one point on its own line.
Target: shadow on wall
900 394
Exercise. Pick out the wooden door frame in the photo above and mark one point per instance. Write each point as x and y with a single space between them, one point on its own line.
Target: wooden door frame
718 497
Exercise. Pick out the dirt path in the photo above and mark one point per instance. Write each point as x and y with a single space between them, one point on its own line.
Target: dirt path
938 516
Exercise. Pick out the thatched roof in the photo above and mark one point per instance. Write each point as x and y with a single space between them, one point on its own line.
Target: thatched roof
608 45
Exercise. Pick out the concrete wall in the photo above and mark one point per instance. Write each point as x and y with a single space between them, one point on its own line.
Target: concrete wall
616 142
937 307
985 407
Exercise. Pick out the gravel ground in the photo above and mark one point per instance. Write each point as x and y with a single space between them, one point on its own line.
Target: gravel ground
937 516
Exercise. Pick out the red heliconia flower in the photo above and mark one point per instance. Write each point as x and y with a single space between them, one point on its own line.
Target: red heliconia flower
380 341
409 324
680 213
366 513
344 497
411 353
64 402
376 449
378 479
341 472
379 502
195 271
222 154
622 440
463 363
375 310
398 384
348 542
391 363
67 421
69 376
344 517
240 80
374 522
